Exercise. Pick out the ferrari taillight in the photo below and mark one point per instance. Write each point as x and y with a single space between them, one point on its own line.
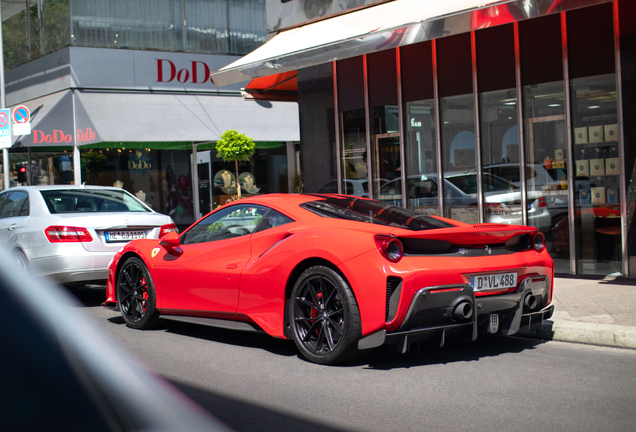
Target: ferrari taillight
165 229
538 241
389 246
67 234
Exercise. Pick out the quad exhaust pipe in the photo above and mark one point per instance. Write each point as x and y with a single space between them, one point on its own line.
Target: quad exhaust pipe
463 311
531 301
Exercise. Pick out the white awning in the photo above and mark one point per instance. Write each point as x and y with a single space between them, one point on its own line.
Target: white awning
380 27
51 121
153 117
387 25
139 117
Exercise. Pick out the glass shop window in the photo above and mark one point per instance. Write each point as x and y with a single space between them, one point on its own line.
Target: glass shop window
318 135
354 157
545 133
457 123
384 121
499 130
420 139
595 140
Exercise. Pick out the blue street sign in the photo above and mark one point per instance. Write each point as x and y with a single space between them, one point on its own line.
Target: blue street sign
5 128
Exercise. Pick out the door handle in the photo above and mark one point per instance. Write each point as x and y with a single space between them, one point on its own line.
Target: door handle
231 266
11 227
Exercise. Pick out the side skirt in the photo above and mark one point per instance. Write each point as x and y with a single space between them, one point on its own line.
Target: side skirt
215 322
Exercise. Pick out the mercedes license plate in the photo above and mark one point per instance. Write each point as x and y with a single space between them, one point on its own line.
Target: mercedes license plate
494 281
124 236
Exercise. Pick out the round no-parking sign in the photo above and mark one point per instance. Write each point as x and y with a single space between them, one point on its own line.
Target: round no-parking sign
21 114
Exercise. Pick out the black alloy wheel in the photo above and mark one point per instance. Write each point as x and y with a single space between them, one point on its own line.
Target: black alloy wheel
324 316
136 294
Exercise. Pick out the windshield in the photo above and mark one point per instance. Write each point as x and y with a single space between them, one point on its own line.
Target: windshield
374 212
91 201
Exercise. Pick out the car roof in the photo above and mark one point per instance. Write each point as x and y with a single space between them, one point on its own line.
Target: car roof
62 187
282 199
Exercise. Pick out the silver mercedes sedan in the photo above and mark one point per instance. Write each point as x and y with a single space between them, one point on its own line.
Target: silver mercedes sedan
71 233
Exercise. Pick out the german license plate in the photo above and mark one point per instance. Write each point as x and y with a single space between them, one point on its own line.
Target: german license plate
494 281
124 236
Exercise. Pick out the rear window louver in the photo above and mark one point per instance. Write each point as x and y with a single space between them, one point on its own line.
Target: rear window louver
426 247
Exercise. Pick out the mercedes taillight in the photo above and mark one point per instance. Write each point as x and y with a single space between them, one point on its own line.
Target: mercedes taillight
67 234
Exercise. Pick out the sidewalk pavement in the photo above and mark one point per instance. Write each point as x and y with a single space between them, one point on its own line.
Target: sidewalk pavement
593 311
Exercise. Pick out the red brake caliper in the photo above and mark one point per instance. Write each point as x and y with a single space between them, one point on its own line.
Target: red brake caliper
314 314
143 283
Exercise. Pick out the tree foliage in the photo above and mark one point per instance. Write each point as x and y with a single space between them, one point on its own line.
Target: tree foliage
234 146
57 32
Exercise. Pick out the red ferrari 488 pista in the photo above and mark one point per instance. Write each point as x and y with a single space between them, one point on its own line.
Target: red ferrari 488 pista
337 274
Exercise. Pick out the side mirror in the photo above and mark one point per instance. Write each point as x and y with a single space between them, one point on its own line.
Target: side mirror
170 240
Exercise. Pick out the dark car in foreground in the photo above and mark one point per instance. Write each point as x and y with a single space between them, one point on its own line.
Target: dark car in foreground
61 374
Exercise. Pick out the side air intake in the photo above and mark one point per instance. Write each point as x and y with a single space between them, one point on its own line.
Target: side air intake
393 291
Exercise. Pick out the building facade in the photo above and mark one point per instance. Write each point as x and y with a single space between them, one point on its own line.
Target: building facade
510 112
120 94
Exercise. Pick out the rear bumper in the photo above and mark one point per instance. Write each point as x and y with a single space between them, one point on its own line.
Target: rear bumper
454 311
81 267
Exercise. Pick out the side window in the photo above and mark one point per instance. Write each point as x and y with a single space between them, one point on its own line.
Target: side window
349 188
227 223
3 198
25 208
422 188
271 220
14 204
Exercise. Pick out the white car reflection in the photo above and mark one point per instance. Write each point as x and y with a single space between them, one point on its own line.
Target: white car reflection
502 198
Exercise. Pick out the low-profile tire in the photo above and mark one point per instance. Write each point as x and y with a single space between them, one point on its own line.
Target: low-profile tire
324 316
21 260
136 295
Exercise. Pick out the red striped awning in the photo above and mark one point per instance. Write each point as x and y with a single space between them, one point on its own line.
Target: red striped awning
282 87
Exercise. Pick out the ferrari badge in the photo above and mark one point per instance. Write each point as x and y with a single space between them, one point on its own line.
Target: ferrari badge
154 252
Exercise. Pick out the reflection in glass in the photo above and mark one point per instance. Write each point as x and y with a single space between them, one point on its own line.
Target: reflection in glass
546 165
458 146
225 26
56 17
316 161
597 203
500 160
421 157
354 151
14 28
119 23
385 148
235 27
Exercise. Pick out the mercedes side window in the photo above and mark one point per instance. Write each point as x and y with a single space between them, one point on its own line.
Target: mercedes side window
3 199
272 219
227 223
14 204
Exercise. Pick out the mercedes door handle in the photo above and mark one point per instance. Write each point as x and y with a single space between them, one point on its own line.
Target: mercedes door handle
12 227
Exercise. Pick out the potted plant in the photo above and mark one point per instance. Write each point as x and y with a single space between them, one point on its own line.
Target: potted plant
235 146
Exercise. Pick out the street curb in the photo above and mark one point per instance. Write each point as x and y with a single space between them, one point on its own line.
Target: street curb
607 335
